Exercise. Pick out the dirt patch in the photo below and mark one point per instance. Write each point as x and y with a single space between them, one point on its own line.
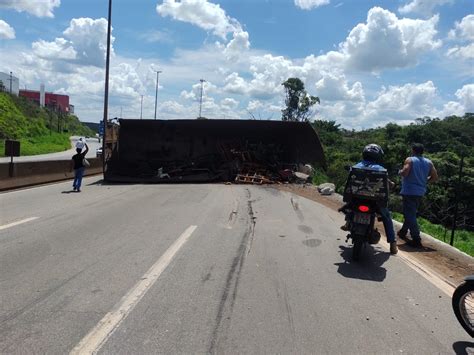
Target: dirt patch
446 263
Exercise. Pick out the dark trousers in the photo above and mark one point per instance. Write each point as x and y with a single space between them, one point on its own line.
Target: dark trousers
410 208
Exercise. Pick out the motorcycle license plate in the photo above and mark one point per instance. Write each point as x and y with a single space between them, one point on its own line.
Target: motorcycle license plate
362 218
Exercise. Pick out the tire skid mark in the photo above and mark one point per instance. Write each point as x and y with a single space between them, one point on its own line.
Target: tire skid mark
229 293
297 210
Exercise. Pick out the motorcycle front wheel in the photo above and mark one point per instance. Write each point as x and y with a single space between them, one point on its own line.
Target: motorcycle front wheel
463 306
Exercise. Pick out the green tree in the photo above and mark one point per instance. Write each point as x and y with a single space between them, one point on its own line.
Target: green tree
298 102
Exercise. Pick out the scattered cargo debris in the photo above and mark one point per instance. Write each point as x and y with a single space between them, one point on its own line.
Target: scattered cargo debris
327 188
240 151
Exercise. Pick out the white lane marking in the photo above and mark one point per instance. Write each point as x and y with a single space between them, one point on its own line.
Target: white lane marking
13 224
98 336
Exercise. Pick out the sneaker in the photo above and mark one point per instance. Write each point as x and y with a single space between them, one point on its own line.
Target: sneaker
346 227
415 243
393 248
402 235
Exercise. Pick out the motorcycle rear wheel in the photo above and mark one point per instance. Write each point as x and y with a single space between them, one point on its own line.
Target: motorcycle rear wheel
356 249
463 306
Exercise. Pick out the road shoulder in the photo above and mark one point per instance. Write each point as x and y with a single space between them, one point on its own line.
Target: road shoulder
446 262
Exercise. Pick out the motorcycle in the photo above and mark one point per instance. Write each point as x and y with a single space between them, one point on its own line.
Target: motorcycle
463 304
365 192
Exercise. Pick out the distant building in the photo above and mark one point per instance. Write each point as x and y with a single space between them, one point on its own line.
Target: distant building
51 100
5 78
71 109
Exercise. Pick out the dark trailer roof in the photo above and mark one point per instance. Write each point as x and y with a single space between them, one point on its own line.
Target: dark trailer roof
158 143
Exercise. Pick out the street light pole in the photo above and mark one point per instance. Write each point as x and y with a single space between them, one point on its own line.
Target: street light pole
106 91
200 101
141 107
156 92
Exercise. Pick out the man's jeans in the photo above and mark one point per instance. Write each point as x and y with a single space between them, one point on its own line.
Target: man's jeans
78 173
410 207
387 224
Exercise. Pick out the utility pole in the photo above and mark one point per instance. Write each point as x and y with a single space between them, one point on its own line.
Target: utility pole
106 91
200 101
456 203
141 107
156 92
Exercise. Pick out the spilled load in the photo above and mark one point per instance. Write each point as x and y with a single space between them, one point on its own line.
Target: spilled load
242 151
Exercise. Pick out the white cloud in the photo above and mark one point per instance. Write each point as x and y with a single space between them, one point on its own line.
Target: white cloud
229 103
466 97
339 100
309 4
206 15
385 41
60 49
84 43
463 30
240 78
6 31
173 108
155 36
39 8
238 46
422 7
333 87
463 33
464 104
195 93
405 102
462 52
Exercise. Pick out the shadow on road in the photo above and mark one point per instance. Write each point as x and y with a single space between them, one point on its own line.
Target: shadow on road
463 348
369 267
410 249
99 182
68 192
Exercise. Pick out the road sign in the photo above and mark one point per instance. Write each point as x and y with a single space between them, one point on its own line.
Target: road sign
101 128
12 148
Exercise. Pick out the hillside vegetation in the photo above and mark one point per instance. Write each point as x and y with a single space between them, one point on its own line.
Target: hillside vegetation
446 141
38 129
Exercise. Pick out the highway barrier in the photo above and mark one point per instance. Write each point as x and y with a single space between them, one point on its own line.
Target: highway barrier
25 174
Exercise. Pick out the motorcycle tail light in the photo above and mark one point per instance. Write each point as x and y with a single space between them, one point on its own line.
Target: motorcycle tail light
363 208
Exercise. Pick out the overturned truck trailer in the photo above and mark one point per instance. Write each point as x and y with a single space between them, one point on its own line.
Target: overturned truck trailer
210 150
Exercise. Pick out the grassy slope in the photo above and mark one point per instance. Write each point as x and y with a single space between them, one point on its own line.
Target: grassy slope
28 123
463 240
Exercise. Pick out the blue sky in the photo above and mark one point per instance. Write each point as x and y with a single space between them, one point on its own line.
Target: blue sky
370 62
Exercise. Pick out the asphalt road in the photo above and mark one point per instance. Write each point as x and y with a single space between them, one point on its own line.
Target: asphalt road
203 269
93 144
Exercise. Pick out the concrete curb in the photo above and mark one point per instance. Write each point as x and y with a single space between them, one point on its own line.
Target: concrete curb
41 172
442 246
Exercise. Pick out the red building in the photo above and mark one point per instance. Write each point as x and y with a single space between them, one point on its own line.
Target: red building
54 101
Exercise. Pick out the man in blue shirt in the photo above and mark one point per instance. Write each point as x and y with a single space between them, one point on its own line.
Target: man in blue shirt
372 155
416 173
